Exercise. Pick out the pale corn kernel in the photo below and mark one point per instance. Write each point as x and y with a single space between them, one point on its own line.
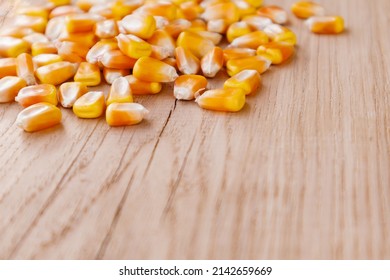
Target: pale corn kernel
25 68
226 100
237 29
171 61
258 63
60 2
104 10
186 61
121 8
38 24
188 86
161 22
88 39
9 88
35 38
160 53
195 43
251 40
120 92
133 47
191 10
163 39
106 29
162 72
257 22
55 28
123 114
36 11
278 33
275 13
206 3
140 26
7 67
15 31
38 117
110 75
35 94
244 8
217 25
56 73
214 37
70 92
96 53
277 52
306 9
90 106
175 27
46 59
43 48
117 59
226 10
164 9
212 62
65 11
233 53
12 47
247 80
81 22
72 51
139 87
88 74
326 24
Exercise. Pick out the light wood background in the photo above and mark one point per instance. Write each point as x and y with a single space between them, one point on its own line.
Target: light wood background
301 173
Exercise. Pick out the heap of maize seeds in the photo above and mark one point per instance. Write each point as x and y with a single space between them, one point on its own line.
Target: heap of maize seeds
138 45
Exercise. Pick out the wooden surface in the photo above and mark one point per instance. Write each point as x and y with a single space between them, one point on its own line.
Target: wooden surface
301 173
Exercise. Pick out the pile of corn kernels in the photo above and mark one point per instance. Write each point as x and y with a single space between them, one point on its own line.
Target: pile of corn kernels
137 46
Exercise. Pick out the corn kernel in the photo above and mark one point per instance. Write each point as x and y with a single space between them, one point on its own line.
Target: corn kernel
35 38
277 52
122 114
104 10
36 11
233 53
162 72
133 47
35 94
275 13
306 9
120 92
186 61
65 11
255 3
326 25
43 48
188 86
86 5
116 59
38 117
225 10
15 31
247 80
244 8
212 62
163 39
25 68
195 43
88 74
191 10
278 33
198 24
161 22
12 47
56 73
70 92
140 26
237 29
251 40
164 9
258 63
257 22
175 27
9 88
227 100
55 28
106 29
72 51
60 2
171 61
81 22
90 106
121 8
217 25
139 87
7 67
87 39
110 75
214 37
46 59
160 53
38 24
96 53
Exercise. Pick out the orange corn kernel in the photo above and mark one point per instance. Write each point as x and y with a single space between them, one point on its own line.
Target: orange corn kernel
121 8
120 92
195 43
38 24
140 26
87 39
70 92
106 29
175 27
234 53
275 13
43 48
247 80
255 3
278 33
12 47
38 117
61 2
72 52
9 88
251 40
258 63
198 24
39 93
163 39
306 9
237 29
55 28
326 25
85 5
36 11
133 47
171 61
227 100
56 73
122 114
139 87
217 25
88 74
25 68
15 31
226 10
244 8
110 75
277 52
65 11
212 62
162 72
191 10
160 53
164 9
46 59
90 106
188 86
118 60
7 67
257 22
96 53
186 61
81 22
214 37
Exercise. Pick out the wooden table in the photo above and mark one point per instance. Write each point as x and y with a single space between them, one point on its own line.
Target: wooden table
301 173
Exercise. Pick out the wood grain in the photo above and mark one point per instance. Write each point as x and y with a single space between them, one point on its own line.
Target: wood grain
301 173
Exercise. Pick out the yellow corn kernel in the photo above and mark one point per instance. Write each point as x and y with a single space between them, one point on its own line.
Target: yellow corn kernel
25 68
133 47
139 87
7 67
247 80
234 53
191 10
227 100
55 28
118 60
226 10
251 40
35 94
257 22
212 62
9 88
188 86
244 8
43 48
164 9
214 37
140 26
277 52
60 2
278 33
217 25
106 29
121 8
175 27
110 75
160 53
88 74
162 72
70 92
38 24
96 53
198 24
56 73
87 39
65 11
258 63
12 47
90 106
326 25
195 43
38 117
85 5
15 31
306 9
255 3
104 10
186 61
122 114
46 59
236 30
36 11
163 39
275 13
81 22
72 52
120 92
